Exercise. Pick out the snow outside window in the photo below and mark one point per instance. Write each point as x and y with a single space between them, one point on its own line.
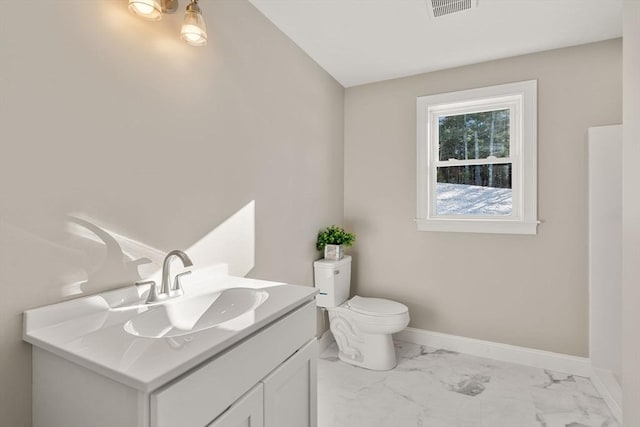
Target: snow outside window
477 160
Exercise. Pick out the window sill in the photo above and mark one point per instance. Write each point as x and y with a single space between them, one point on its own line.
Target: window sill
478 226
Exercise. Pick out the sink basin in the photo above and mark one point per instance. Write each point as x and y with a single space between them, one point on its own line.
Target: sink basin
231 309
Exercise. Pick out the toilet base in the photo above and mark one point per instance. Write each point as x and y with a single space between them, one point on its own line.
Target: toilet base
370 351
376 353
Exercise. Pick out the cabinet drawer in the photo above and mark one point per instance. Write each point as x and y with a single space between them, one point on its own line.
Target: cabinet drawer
202 395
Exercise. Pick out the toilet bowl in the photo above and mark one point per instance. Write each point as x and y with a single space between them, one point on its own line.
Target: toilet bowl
362 327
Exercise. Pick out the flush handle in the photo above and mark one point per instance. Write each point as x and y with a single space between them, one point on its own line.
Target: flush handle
336 272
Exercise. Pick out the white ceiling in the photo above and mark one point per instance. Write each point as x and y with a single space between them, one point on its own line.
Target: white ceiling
362 41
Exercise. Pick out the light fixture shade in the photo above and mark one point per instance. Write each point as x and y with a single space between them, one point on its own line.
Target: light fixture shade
147 9
194 30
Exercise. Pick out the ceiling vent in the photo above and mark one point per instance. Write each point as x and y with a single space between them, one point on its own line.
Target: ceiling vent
439 8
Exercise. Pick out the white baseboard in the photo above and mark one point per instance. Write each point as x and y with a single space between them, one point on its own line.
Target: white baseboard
572 365
609 388
325 341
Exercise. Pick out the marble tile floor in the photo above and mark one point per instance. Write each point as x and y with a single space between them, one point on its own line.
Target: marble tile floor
439 388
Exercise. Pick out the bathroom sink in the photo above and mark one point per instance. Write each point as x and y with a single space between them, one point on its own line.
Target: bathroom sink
232 308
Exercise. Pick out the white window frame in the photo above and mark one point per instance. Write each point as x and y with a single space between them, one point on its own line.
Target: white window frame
521 100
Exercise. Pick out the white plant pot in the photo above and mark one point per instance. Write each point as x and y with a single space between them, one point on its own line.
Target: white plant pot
333 252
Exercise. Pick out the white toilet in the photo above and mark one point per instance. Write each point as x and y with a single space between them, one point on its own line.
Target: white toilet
361 326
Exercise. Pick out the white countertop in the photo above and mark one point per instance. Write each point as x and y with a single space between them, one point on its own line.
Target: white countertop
90 331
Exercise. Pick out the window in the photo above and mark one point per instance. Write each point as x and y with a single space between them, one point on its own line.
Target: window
477 160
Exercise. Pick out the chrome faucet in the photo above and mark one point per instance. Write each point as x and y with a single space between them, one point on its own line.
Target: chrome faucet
167 291
165 288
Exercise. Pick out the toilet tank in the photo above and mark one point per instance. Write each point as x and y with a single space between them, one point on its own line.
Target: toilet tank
333 279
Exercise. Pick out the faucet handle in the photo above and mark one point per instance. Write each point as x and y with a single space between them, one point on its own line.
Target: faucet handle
153 291
177 287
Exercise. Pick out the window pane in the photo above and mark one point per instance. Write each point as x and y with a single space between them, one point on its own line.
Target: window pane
474 135
474 190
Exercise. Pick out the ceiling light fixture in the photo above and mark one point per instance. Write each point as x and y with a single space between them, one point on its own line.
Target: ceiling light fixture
194 30
146 9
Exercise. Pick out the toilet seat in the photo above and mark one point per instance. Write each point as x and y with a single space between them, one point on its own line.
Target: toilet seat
376 306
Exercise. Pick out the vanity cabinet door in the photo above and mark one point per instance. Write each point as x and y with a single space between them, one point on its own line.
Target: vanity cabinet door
290 391
245 412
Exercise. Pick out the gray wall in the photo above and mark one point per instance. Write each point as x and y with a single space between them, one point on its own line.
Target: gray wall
116 119
631 217
523 290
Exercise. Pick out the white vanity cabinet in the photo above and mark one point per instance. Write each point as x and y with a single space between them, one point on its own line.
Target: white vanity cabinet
266 379
285 398
271 356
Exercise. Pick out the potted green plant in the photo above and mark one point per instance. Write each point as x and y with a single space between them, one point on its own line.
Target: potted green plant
333 240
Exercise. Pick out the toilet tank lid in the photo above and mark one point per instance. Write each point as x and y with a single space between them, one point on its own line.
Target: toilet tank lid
377 306
327 263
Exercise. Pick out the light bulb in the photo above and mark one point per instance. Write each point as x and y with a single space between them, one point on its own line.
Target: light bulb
147 9
194 30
